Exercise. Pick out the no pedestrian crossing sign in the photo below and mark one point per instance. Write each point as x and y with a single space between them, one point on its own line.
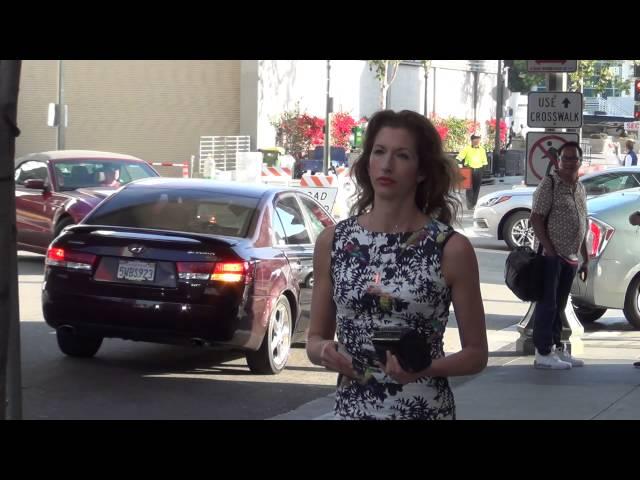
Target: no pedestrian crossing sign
542 148
544 66
554 110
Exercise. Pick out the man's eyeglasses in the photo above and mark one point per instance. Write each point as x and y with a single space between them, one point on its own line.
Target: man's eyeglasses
574 159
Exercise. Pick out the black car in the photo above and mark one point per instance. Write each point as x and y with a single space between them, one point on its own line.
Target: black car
185 261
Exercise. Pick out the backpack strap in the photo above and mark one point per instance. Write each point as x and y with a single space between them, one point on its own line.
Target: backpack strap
546 219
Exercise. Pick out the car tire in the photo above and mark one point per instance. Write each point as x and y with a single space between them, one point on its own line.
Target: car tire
75 345
588 314
64 222
515 228
632 303
271 357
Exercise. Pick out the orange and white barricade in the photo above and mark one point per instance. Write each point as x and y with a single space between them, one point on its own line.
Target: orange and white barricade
185 166
276 175
332 191
342 171
324 188
318 180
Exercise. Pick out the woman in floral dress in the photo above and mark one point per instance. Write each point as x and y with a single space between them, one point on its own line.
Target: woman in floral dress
397 264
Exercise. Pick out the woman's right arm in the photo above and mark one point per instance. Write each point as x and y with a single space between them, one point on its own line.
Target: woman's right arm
321 347
461 156
542 204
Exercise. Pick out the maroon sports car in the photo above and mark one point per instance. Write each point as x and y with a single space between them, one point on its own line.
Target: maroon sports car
59 188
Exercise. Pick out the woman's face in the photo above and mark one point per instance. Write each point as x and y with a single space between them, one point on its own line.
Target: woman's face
569 160
393 164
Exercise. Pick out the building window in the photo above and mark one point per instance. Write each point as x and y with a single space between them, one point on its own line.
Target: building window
612 89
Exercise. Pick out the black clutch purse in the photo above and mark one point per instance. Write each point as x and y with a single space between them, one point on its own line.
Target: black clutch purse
412 349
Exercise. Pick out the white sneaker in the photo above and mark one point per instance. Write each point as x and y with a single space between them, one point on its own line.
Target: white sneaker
565 356
550 362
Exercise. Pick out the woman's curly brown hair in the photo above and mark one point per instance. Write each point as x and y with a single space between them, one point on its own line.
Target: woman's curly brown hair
434 195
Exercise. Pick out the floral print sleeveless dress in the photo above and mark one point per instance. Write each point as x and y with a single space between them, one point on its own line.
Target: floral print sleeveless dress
389 280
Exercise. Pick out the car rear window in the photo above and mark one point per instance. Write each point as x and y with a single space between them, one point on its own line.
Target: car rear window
183 211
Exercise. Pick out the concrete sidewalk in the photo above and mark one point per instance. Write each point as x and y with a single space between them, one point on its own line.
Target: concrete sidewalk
606 388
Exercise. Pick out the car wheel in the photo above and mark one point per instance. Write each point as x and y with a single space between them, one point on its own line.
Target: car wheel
76 345
518 231
64 222
272 355
632 303
588 314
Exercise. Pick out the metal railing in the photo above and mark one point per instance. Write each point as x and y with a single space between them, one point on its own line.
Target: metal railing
586 152
614 106
219 153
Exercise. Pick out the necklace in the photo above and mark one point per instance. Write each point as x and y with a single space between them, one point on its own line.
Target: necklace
396 228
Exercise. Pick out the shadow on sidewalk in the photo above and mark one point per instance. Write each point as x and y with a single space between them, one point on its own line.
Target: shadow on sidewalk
500 353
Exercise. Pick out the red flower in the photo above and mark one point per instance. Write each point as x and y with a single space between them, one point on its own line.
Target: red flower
341 126
491 129
442 131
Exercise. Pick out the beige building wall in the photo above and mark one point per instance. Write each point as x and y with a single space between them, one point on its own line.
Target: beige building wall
153 109
38 88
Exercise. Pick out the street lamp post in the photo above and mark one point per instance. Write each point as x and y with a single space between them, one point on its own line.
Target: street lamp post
499 109
327 124
426 90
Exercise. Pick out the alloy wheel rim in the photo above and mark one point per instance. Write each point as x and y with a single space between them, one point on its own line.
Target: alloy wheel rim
522 233
280 336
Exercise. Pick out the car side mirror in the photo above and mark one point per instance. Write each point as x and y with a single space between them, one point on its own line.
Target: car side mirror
35 184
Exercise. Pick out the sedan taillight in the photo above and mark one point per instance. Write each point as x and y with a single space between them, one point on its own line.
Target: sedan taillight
598 237
194 270
228 272
60 257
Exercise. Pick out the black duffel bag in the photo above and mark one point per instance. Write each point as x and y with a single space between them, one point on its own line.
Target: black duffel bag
524 268
524 274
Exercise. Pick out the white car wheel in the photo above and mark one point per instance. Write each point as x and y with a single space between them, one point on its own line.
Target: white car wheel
518 231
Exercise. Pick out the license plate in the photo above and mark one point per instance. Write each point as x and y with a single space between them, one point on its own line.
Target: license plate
136 271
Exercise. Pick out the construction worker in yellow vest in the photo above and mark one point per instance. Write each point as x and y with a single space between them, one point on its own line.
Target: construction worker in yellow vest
475 157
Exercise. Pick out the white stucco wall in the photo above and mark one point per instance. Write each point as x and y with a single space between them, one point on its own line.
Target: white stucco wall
282 83
487 87
454 93
407 91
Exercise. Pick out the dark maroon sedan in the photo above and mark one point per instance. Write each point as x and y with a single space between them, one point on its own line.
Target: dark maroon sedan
56 189
187 262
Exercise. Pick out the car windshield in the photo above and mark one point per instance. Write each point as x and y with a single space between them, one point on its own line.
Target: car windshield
178 210
92 173
610 183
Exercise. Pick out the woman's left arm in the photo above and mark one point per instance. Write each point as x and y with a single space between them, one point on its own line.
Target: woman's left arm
460 271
